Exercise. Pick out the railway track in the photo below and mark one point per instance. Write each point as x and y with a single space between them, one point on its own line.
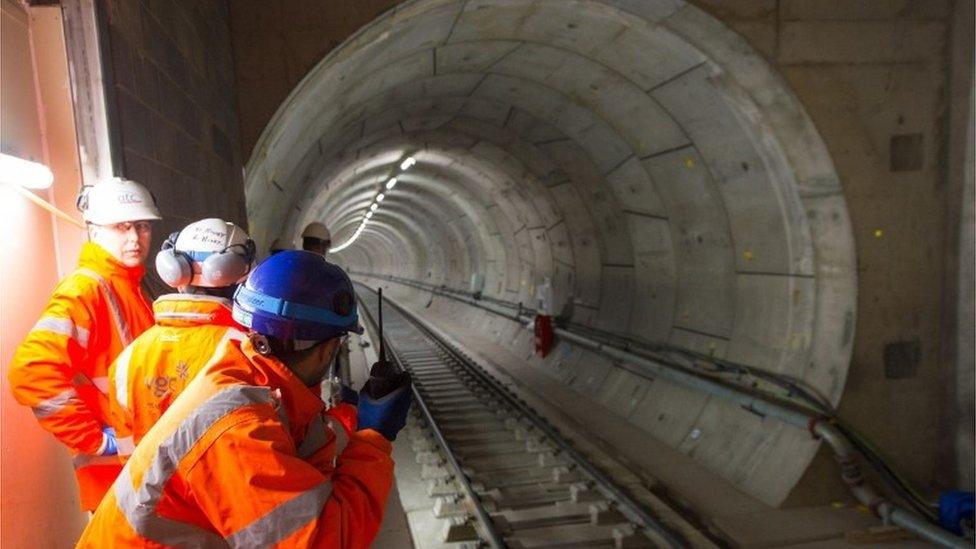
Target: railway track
505 476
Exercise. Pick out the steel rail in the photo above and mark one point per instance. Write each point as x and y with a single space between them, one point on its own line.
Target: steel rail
488 526
628 505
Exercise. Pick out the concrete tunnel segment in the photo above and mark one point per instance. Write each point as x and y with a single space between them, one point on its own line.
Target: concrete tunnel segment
639 154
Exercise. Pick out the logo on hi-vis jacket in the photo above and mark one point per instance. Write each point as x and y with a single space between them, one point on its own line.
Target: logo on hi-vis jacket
164 385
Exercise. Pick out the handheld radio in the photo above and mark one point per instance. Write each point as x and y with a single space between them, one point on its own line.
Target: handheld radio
384 376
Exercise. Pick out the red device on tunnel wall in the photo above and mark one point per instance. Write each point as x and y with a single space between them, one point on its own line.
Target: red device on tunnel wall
543 335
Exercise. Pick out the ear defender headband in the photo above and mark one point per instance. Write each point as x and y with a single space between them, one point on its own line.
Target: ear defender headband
217 269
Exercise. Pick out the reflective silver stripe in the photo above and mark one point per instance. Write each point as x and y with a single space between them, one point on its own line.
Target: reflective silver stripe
184 316
122 377
342 439
315 438
140 511
283 416
139 506
49 407
84 460
188 315
284 520
196 297
126 445
63 326
101 383
120 324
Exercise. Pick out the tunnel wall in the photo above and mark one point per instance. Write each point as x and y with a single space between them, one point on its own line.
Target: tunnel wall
175 108
872 78
679 197
35 470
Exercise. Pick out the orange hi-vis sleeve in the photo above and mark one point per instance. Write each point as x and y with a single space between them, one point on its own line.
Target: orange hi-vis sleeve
247 457
60 370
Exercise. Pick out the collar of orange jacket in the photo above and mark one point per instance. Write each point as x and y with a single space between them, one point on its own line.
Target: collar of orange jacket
98 259
301 403
193 310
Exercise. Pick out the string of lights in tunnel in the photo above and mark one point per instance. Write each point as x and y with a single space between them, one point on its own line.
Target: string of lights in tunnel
374 206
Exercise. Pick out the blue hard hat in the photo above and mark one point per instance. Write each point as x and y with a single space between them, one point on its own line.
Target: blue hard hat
297 295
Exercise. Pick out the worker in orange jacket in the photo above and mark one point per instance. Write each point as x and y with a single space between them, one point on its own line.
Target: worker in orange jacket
204 262
244 457
60 370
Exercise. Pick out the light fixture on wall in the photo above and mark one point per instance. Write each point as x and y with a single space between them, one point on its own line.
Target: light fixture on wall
355 235
24 173
380 196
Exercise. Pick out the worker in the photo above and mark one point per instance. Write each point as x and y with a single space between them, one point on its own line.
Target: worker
278 245
60 370
204 262
316 238
244 456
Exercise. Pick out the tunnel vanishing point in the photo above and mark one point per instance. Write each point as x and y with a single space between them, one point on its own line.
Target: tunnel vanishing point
751 223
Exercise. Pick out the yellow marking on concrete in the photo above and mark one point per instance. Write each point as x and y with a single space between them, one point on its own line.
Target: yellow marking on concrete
689 163
878 233
747 255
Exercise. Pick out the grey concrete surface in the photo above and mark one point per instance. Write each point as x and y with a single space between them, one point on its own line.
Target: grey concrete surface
638 154
734 516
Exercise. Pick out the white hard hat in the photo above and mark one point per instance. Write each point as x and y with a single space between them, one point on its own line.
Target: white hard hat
116 201
317 230
210 253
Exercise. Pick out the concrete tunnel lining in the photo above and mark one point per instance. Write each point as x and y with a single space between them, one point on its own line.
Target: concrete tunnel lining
639 154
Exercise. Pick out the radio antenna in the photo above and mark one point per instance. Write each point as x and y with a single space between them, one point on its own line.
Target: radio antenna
382 341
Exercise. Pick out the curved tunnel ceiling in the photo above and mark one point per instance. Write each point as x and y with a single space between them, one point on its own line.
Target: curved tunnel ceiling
638 154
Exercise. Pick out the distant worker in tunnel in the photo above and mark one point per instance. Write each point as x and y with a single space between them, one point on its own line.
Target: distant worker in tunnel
60 370
246 456
317 238
204 262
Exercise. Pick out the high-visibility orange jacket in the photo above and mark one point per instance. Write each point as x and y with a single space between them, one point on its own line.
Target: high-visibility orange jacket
61 368
245 457
151 372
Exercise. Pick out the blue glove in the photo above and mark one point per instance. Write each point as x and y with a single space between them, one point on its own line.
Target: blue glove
388 414
955 507
111 446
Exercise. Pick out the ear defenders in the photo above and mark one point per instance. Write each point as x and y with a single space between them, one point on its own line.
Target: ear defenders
217 269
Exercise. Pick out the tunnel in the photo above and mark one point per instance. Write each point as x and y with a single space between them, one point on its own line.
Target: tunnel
665 273
640 157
